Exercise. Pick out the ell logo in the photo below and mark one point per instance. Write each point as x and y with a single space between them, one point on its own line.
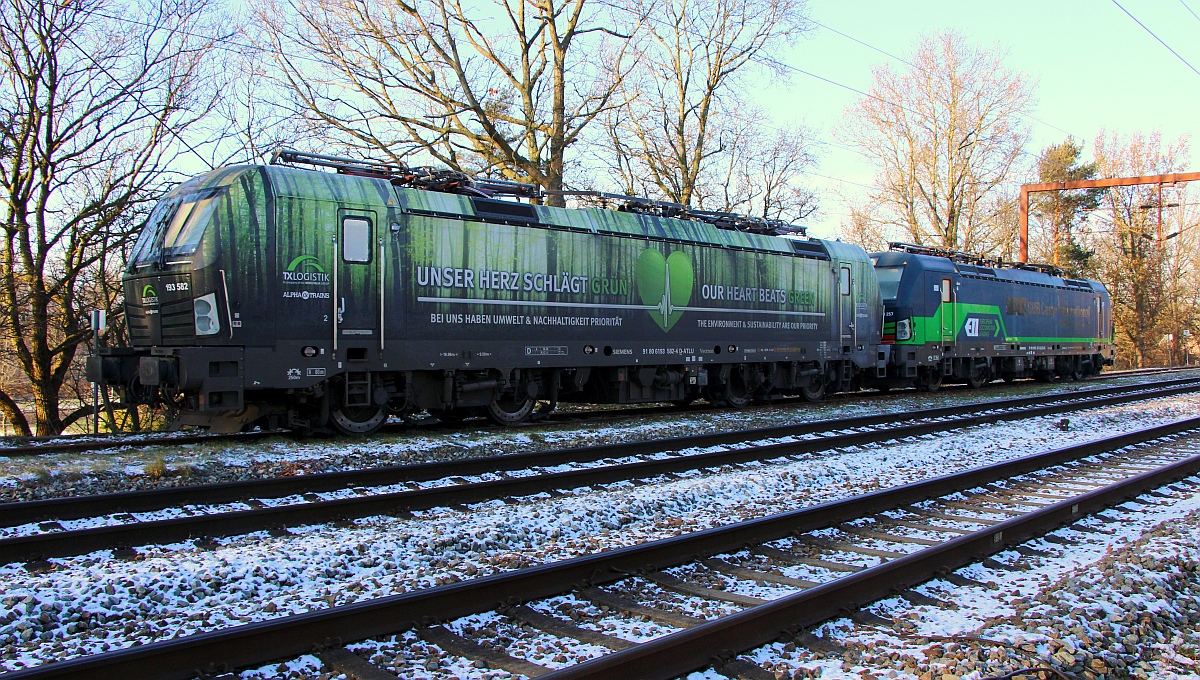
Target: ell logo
665 283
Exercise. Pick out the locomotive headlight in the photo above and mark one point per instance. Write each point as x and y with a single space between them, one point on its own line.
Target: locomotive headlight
903 329
207 319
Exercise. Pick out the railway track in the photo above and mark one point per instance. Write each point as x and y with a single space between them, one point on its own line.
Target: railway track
16 447
765 579
38 530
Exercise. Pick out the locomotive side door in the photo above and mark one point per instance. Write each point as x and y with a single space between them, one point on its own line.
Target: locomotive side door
846 307
356 289
948 317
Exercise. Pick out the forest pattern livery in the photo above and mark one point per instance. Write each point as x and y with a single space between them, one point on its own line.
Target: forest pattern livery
504 276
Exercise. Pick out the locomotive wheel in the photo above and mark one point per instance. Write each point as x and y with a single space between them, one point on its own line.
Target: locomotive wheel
932 381
813 393
358 421
510 410
737 392
978 377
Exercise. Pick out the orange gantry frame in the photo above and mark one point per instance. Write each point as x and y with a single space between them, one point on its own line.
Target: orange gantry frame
1027 189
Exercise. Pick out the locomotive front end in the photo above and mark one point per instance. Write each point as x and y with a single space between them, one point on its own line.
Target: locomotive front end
178 307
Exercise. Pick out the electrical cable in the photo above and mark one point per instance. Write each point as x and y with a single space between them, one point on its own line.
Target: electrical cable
788 67
912 65
136 99
1155 36
1189 9
244 46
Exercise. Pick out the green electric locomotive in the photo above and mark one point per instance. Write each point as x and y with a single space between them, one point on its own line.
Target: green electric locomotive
337 294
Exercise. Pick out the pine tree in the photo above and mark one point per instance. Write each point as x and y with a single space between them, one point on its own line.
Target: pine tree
1062 210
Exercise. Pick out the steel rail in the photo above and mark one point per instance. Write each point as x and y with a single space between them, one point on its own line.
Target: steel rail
263 642
117 441
720 640
13 514
41 546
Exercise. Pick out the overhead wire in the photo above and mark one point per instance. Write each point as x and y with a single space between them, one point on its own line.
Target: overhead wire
136 99
228 44
1030 117
915 66
1155 36
1189 9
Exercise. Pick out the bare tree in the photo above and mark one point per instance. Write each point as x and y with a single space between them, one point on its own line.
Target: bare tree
760 175
1149 273
505 86
94 106
681 123
860 228
944 134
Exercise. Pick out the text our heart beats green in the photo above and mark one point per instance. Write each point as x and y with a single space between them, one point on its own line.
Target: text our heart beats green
665 283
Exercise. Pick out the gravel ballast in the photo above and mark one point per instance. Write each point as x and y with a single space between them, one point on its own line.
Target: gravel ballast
1120 600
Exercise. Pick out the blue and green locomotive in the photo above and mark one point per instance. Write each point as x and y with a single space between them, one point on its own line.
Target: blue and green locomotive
953 317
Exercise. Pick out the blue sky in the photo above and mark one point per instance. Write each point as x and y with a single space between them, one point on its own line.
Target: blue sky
1094 66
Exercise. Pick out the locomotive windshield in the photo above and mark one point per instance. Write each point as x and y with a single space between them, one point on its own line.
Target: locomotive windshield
889 281
175 228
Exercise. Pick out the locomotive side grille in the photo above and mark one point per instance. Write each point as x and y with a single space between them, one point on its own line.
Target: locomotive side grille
140 332
178 321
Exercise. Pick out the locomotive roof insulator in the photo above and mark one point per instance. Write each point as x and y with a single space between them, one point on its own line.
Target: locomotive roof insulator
969 258
721 220
421 177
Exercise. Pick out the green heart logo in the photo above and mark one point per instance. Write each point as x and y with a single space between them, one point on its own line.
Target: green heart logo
665 283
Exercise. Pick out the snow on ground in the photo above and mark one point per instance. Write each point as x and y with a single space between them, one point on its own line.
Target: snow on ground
1120 601
95 603
173 465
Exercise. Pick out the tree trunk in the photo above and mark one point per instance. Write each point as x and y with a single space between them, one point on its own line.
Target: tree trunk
13 414
45 403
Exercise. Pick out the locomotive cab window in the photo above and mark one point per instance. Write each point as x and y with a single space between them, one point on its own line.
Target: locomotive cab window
356 239
889 281
945 290
175 227
845 280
